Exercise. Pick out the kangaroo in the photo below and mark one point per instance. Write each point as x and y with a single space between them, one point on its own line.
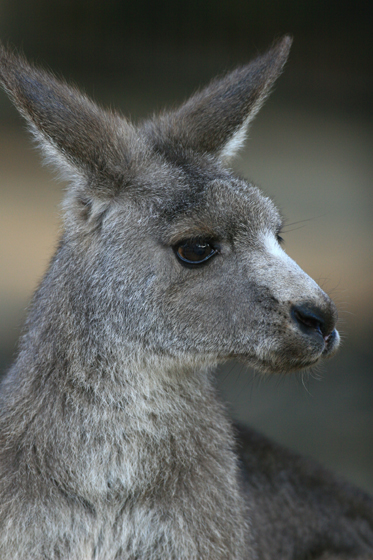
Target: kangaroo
114 444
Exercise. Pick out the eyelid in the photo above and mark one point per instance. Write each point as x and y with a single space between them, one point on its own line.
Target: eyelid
197 234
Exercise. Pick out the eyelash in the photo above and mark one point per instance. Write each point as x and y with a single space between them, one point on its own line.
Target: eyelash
279 239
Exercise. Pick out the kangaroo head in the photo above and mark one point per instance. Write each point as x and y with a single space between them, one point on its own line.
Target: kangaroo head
165 250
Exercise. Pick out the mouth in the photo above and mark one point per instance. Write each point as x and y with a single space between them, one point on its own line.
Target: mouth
288 361
328 347
331 343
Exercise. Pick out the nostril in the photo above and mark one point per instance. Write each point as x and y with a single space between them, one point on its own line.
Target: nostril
311 318
308 320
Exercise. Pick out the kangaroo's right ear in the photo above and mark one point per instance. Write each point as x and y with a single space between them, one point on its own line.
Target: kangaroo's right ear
76 134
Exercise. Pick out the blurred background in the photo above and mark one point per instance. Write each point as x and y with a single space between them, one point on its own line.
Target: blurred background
310 149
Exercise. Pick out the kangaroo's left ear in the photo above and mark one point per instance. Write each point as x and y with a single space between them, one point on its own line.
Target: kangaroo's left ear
215 120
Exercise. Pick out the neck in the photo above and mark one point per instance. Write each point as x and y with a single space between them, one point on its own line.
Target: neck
156 406
119 429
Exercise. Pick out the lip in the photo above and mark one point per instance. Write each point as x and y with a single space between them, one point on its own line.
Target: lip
327 347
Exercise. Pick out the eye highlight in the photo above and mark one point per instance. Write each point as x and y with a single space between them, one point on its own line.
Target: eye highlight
194 251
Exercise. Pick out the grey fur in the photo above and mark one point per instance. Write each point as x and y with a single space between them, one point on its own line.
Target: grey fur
113 442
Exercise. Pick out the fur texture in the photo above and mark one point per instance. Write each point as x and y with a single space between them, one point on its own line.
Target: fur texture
113 442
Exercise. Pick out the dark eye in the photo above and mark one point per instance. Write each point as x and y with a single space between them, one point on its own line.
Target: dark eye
194 251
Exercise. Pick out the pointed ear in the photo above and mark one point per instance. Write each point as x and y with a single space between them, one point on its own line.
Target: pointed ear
215 120
75 134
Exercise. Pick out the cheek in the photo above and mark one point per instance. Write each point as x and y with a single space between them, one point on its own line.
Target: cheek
222 309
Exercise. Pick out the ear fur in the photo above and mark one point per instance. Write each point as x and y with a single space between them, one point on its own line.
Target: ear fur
85 141
215 120
75 134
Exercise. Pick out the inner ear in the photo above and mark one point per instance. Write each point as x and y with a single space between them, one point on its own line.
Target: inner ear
230 149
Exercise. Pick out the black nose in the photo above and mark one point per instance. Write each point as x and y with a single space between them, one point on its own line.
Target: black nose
311 318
